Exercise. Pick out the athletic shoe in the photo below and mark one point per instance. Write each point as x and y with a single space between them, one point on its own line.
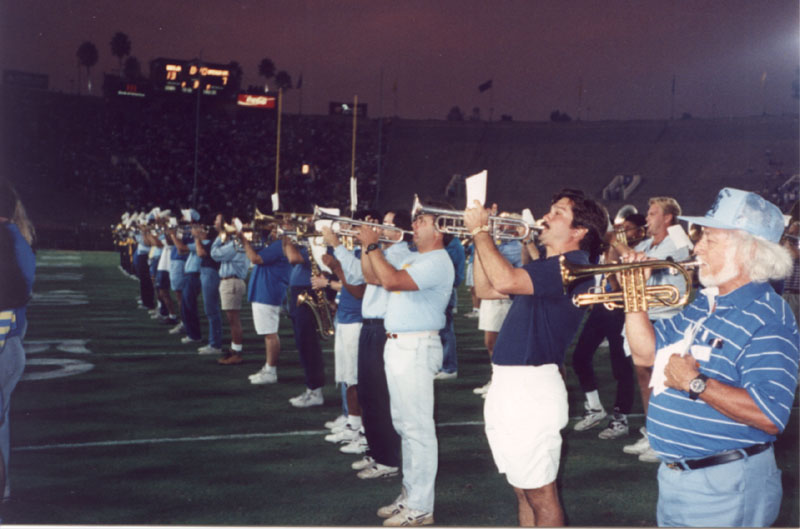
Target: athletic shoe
230 359
617 427
483 389
409 518
591 418
346 435
265 376
640 446
209 350
339 421
188 339
473 314
311 397
364 462
177 329
378 471
398 505
264 369
444 375
359 446
156 316
170 321
649 456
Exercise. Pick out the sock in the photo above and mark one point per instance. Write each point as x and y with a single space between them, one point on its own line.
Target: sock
236 347
354 421
593 397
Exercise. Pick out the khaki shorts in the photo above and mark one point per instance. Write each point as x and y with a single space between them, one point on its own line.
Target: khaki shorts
231 293
525 410
492 314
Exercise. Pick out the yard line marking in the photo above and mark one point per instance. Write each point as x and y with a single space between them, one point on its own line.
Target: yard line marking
202 438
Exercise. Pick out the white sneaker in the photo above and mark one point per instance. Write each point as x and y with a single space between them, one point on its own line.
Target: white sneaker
617 427
364 462
346 435
398 505
649 456
483 390
265 376
264 369
409 518
359 446
187 339
591 418
339 421
444 375
473 314
640 446
311 397
177 329
378 471
209 350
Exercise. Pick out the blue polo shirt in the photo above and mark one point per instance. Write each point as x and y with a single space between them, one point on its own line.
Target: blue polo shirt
752 337
301 273
268 281
232 260
539 328
26 260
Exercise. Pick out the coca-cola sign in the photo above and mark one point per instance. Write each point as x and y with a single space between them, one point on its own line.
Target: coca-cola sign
255 101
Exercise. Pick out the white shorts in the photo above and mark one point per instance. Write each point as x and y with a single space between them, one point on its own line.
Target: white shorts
266 318
492 314
525 410
345 352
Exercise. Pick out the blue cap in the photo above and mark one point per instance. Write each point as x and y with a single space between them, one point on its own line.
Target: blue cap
735 209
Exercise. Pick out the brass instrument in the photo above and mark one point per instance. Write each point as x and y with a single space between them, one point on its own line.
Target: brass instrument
349 228
318 304
636 295
452 222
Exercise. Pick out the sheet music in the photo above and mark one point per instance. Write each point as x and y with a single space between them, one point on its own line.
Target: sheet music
476 188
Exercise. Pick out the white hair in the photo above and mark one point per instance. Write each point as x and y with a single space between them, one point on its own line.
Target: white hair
760 259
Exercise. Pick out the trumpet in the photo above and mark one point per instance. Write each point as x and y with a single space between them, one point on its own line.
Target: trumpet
347 227
636 295
451 222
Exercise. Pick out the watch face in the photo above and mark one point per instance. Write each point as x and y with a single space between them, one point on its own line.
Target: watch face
697 385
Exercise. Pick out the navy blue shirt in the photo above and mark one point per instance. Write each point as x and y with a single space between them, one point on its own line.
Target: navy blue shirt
539 328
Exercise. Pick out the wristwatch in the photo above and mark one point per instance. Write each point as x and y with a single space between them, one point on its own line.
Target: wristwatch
697 386
370 247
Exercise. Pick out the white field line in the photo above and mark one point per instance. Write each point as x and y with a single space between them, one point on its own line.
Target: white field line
212 438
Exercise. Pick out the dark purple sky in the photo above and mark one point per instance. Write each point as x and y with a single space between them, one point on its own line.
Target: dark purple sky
438 52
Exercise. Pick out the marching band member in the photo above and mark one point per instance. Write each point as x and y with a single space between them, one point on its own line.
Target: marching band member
191 279
724 372
233 264
266 292
526 406
209 284
142 268
420 287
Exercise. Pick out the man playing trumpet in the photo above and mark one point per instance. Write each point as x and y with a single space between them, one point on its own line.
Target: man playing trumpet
526 405
724 372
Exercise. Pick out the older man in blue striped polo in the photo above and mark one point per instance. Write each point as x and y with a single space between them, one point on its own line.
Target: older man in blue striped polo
724 373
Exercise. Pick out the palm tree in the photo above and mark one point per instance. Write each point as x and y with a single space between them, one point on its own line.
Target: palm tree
132 70
120 47
87 57
283 80
266 69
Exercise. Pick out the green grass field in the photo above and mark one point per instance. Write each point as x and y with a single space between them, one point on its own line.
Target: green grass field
154 433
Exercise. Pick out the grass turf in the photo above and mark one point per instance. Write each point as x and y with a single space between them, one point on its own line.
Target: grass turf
156 434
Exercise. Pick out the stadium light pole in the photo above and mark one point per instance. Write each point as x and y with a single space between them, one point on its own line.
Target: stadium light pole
196 143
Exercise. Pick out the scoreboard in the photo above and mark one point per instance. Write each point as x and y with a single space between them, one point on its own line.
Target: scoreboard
187 77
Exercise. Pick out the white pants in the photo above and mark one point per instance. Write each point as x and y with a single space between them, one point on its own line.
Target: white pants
411 362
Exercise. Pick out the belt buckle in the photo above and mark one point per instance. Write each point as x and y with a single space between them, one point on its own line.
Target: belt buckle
674 466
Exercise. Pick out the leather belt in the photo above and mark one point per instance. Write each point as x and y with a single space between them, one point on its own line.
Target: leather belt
420 334
719 459
372 321
229 277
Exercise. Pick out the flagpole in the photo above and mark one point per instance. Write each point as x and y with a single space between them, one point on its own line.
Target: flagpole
672 102
353 155
278 141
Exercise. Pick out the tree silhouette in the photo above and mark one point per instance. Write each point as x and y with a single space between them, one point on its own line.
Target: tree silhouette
120 47
87 57
132 70
455 114
266 69
283 80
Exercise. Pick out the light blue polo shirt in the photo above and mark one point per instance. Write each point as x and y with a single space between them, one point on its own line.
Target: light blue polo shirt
423 309
232 258
662 251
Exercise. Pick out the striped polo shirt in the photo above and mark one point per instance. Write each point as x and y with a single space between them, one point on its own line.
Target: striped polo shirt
752 339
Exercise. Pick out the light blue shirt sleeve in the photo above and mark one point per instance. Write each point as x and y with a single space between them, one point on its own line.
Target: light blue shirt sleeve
351 265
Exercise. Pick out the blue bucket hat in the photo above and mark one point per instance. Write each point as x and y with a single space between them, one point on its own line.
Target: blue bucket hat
735 209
